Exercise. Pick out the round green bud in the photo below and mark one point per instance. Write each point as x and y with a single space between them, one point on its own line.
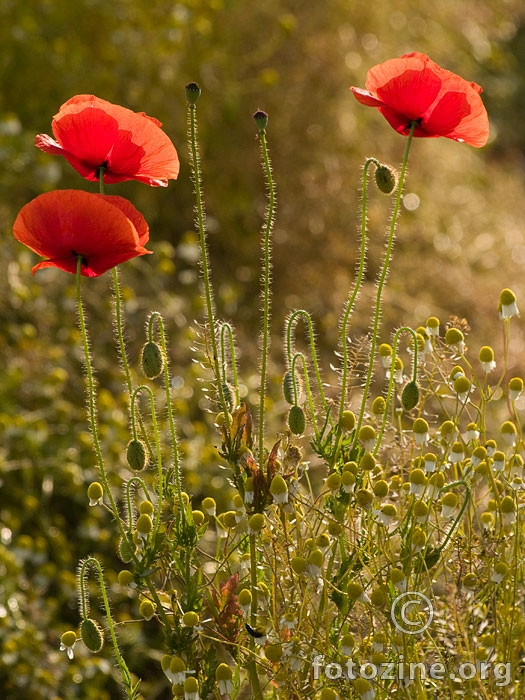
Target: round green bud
354 590
209 505
191 686
125 578
147 609
273 652
136 455
95 493
333 481
328 694
190 619
144 524
92 635
486 354
299 564
256 522
223 673
69 638
453 336
348 421
410 396
296 420
193 92
386 178
151 359
380 489
379 406
146 507
420 426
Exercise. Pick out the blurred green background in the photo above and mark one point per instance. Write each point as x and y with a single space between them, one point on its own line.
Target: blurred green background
458 246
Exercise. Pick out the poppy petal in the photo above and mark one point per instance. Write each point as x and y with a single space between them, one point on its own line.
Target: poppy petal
415 89
65 224
91 132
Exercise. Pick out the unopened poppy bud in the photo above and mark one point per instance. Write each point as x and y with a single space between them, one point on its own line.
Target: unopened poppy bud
125 550
193 92
410 396
261 119
190 619
151 359
288 387
279 489
386 178
147 609
348 421
515 388
296 420
136 455
507 304
256 523
92 635
95 493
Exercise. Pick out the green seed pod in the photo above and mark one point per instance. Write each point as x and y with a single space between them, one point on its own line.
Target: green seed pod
386 178
151 359
261 119
136 455
92 635
410 396
296 420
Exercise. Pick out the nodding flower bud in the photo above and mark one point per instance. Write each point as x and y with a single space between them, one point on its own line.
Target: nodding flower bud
288 387
261 119
193 92
136 455
92 635
279 489
515 388
151 359
296 420
507 304
410 396
95 493
386 178
147 609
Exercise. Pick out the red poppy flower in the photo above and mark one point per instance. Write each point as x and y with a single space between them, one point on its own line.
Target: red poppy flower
415 89
61 225
91 134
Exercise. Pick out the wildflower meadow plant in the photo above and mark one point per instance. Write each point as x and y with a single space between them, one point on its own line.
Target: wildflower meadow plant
399 475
